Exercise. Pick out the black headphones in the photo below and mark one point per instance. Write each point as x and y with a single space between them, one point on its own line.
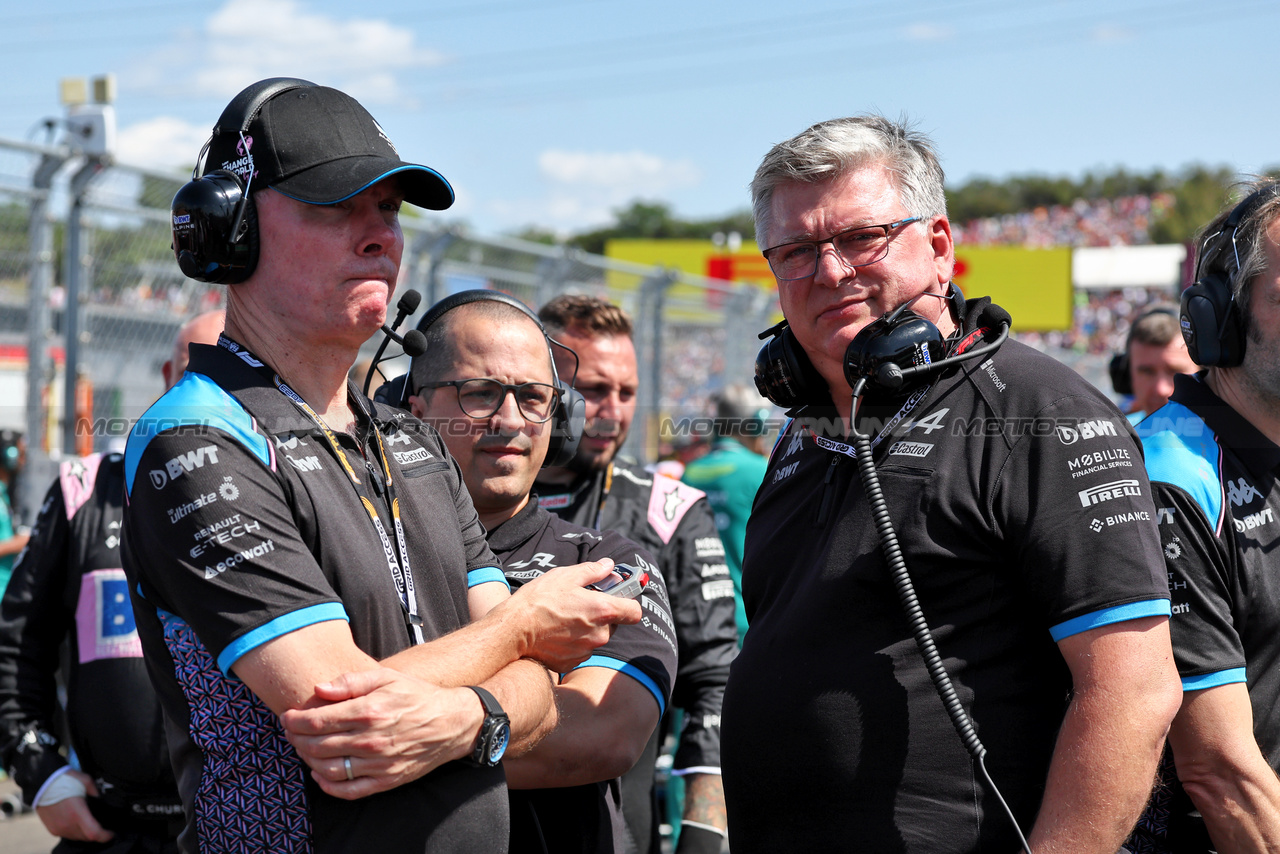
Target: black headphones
1210 318
570 416
887 352
1118 368
215 224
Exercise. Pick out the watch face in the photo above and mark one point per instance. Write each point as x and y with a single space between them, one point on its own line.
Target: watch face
498 744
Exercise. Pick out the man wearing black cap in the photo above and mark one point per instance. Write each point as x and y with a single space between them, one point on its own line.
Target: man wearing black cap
283 531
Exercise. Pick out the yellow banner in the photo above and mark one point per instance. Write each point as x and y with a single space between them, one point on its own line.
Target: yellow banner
1033 285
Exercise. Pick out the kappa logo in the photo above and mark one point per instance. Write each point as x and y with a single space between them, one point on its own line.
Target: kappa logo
1085 430
294 441
1108 491
183 463
1241 492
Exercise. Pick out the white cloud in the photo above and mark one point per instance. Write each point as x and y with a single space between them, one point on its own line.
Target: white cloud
584 189
929 33
1107 34
160 143
627 172
247 40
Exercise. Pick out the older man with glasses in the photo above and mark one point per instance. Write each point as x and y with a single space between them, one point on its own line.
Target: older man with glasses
927 448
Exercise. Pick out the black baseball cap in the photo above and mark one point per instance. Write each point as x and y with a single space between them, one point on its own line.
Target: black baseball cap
316 145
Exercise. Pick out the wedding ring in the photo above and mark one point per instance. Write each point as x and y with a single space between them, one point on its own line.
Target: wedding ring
346 763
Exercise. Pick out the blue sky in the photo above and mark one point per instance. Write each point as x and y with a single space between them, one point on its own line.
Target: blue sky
555 113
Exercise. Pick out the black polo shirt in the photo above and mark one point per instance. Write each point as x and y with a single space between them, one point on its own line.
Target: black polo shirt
1024 516
1217 501
586 819
242 526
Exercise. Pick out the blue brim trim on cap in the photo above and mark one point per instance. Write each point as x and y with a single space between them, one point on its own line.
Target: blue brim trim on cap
382 177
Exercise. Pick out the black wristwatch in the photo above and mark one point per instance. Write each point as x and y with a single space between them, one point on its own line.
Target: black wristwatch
495 732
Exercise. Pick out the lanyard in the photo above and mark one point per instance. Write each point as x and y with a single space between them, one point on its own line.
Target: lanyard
403 578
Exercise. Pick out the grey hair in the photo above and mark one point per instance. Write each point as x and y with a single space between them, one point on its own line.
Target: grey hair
1250 239
832 148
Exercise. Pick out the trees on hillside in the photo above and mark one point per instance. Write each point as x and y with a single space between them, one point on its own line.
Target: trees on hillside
1198 193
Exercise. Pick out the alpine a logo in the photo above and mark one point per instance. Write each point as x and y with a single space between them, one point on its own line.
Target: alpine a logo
1107 491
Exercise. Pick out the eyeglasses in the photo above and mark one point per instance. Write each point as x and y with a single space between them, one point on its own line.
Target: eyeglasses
856 247
481 398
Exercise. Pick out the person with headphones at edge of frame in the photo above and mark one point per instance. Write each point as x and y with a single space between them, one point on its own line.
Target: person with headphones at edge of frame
1154 353
935 473
1212 453
489 382
298 554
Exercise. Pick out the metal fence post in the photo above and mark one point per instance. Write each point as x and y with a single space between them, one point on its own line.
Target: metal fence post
40 282
648 322
77 268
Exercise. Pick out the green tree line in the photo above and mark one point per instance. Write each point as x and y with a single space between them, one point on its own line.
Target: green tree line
1198 193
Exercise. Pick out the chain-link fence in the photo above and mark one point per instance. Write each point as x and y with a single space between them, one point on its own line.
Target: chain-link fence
106 251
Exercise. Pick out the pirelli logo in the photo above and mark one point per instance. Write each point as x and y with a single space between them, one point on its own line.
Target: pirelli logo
1107 491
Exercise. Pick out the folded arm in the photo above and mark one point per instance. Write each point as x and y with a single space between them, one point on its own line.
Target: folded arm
606 718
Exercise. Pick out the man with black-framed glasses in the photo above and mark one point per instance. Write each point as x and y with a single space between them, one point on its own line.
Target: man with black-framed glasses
1022 516
486 382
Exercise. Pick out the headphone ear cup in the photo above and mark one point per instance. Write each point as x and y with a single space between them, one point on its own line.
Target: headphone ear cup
1210 323
785 376
567 426
1119 371
203 214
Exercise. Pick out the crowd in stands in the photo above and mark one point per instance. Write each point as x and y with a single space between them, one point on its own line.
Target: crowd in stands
1086 222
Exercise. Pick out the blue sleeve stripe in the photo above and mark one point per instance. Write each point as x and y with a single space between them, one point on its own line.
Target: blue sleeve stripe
486 574
1213 680
279 627
1107 616
631 670
195 400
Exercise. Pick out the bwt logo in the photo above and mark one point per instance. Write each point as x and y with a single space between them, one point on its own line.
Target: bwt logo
189 461
1086 430
1108 491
